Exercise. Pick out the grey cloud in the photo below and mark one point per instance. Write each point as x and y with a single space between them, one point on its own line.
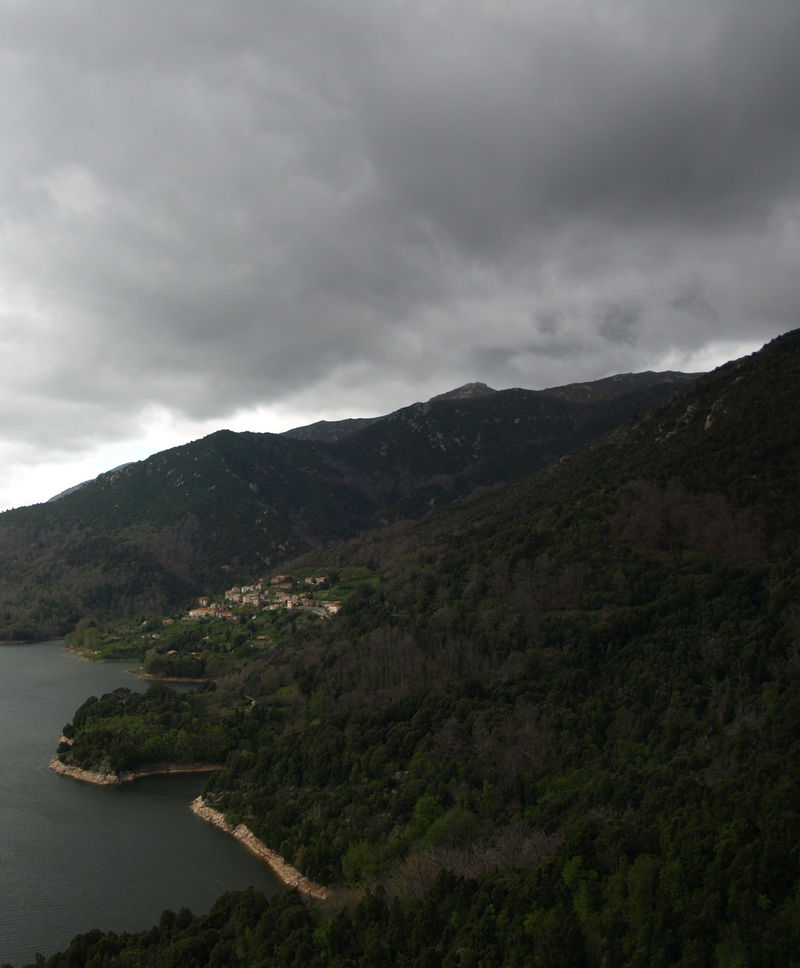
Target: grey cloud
563 114
620 322
548 321
693 301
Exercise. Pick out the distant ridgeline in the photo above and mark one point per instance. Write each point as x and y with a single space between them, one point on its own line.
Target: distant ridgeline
560 729
148 537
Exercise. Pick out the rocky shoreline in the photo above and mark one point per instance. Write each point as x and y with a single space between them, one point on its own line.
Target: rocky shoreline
285 873
115 779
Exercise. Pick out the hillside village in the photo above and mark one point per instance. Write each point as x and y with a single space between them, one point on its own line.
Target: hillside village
274 593
195 646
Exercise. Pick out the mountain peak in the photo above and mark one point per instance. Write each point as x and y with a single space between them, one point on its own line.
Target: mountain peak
466 392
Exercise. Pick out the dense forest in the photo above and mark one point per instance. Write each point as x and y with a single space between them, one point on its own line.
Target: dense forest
560 728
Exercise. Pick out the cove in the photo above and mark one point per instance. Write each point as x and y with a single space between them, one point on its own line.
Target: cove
74 856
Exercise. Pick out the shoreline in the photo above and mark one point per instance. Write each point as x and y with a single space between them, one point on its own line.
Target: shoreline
87 656
117 779
149 677
285 873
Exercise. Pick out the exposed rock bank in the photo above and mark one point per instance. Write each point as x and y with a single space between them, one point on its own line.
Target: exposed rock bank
88 776
114 779
284 872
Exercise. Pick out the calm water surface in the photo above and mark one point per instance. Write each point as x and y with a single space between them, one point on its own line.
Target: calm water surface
75 857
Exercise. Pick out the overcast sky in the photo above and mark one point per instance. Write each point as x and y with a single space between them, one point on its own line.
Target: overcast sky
258 214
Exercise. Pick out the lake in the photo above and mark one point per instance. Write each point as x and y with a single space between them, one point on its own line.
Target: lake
74 856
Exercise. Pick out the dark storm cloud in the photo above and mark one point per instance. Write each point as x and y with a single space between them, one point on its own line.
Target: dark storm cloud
620 322
344 206
693 301
653 112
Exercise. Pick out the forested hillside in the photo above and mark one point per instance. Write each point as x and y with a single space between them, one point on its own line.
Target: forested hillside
560 728
148 536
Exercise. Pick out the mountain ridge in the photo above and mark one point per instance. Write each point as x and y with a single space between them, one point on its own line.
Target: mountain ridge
148 535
